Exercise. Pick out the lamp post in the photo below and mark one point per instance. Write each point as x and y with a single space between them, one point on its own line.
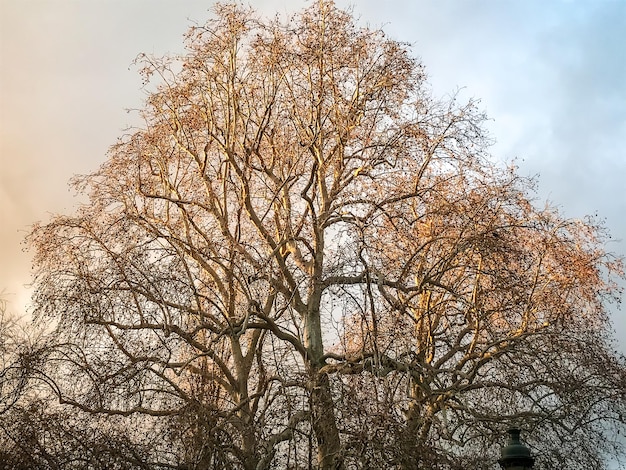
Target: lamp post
515 456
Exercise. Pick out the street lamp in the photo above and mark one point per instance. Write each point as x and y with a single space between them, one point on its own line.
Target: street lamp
515 456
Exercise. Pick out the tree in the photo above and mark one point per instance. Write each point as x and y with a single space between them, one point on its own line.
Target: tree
304 258
38 434
14 359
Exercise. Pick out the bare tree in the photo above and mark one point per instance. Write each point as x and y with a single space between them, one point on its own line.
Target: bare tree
36 433
304 259
13 361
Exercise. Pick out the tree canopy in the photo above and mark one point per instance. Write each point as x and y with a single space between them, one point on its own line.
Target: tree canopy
303 259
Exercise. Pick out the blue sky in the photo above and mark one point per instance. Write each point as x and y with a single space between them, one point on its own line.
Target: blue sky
550 74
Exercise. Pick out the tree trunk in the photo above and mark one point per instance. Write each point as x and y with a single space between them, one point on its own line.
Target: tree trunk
324 424
322 407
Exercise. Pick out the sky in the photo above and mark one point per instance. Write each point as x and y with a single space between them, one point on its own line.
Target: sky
551 75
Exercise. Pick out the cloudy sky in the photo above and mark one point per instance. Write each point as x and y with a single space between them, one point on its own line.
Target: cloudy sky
550 74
